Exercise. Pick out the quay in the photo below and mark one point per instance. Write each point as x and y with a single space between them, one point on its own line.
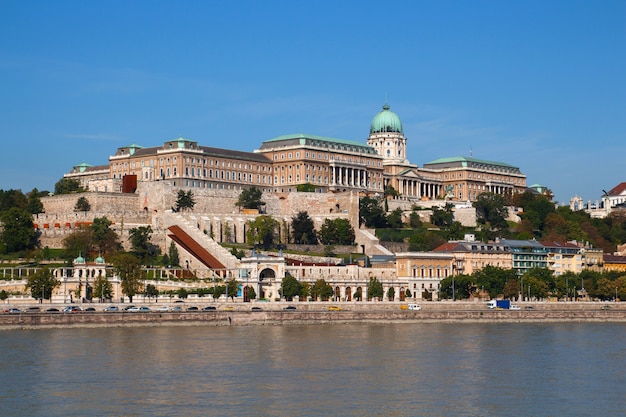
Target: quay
243 314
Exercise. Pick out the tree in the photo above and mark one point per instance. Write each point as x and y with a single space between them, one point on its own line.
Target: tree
102 288
67 186
394 219
493 278
262 232
12 198
185 200
414 220
442 217
232 288
490 209
105 239
128 269
337 232
33 204
391 293
82 204
290 287
41 284
174 258
80 241
391 192
250 293
372 213
250 198
321 290
151 291
141 245
374 289
18 232
303 230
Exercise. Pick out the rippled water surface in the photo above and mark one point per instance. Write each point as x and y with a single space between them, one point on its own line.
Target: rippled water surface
319 370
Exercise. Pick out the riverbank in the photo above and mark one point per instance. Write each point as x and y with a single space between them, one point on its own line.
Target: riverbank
240 314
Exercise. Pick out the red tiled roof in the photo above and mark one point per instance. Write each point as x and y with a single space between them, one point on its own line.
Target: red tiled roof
446 247
618 190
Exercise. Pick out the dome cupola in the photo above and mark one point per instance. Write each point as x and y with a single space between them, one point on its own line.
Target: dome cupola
386 121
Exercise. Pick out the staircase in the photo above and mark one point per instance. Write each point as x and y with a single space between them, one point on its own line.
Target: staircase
201 246
367 239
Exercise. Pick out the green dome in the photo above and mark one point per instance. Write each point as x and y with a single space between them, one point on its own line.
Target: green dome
79 260
99 260
386 121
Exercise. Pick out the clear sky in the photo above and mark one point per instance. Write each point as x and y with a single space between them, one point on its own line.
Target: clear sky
537 84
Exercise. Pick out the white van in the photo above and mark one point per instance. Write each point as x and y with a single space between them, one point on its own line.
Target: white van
414 307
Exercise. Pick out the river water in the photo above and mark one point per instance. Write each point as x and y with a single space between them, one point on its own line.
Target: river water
564 369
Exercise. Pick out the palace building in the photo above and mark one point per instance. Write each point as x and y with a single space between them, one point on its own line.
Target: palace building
302 162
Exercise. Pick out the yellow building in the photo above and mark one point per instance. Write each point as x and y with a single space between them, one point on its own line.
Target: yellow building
423 271
471 256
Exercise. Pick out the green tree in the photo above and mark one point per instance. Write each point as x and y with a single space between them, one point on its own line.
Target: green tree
232 288
374 289
102 288
458 287
41 284
151 291
18 231
493 278
391 293
34 204
128 268
82 204
372 213
104 239
80 241
337 232
303 230
12 199
262 232
185 200
490 210
67 186
290 287
414 220
394 219
321 290
182 293
391 192
141 245
442 217
250 198
174 257
250 293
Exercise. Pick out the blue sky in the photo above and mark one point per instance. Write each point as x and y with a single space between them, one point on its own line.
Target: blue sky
536 84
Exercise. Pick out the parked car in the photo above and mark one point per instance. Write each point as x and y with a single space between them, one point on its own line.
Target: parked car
13 311
529 308
128 308
33 310
142 309
514 307
112 308
414 307
90 309
289 308
177 308
192 308
72 309
334 308
163 308
52 310
209 308
256 309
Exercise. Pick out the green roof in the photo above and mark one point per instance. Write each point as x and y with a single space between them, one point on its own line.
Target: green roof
386 121
465 160
303 137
